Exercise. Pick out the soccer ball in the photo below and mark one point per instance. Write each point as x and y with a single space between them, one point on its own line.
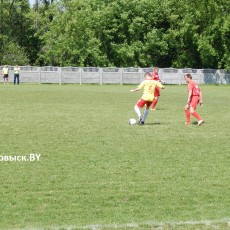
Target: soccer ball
132 121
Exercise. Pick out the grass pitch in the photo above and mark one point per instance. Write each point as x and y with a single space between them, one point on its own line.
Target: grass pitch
97 172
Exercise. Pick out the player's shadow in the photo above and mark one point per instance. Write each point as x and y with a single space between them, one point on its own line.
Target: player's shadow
155 123
195 123
158 109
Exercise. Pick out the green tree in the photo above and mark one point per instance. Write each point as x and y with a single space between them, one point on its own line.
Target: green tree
14 35
14 55
167 33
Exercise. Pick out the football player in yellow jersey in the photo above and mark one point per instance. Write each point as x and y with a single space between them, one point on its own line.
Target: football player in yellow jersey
147 98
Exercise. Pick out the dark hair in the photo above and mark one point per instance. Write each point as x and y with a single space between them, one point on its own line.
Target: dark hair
188 75
147 74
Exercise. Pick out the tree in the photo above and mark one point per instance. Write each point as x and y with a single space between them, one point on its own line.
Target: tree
13 30
167 33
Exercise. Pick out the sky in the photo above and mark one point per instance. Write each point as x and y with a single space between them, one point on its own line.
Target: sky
32 2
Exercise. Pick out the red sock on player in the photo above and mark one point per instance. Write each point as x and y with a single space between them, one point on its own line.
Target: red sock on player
196 115
154 103
187 113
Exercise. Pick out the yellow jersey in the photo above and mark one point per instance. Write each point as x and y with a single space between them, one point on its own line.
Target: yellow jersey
5 70
149 88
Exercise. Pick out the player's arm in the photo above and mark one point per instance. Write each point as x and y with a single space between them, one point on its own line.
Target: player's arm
161 81
160 85
134 90
201 98
189 95
138 87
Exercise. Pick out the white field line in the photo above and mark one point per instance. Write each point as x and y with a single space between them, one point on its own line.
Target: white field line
155 224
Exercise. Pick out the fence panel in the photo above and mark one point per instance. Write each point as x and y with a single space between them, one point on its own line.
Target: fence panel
71 75
111 76
90 75
29 74
49 74
210 76
132 75
224 76
171 76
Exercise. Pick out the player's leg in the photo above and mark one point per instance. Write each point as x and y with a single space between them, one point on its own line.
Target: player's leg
156 96
14 79
194 103
4 77
187 114
197 116
137 109
146 112
154 103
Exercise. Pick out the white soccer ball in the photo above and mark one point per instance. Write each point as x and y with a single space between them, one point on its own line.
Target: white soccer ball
132 121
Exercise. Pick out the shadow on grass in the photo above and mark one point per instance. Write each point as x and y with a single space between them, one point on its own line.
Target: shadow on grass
194 122
157 109
155 123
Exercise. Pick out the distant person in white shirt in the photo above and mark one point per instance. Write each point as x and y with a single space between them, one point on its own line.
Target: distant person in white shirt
16 74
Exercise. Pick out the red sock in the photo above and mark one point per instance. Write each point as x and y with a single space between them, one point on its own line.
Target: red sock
154 103
196 115
187 114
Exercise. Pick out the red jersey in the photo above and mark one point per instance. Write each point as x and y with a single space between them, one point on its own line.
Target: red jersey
194 87
155 76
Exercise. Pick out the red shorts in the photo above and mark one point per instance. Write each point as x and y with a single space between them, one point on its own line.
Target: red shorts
157 92
142 102
194 101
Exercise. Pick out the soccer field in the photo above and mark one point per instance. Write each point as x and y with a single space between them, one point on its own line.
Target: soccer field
91 170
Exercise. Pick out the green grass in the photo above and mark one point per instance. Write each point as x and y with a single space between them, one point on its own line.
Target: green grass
96 170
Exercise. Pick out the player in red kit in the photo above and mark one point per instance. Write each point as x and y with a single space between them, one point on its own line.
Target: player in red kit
194 98
156 77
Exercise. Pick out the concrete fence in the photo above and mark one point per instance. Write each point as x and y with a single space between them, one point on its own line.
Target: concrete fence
113 75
